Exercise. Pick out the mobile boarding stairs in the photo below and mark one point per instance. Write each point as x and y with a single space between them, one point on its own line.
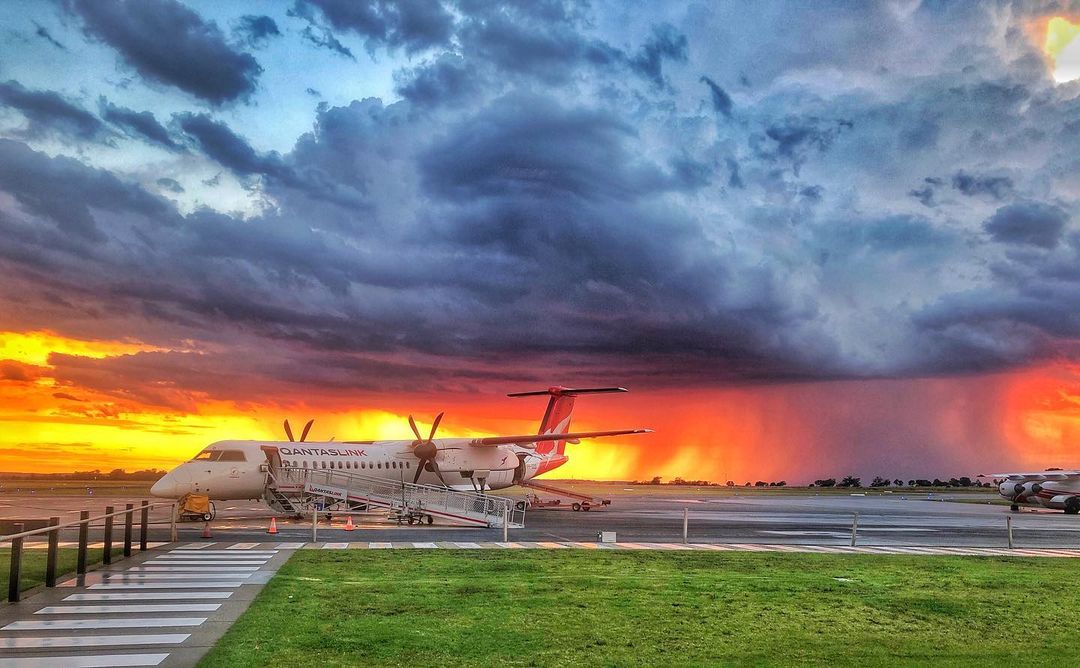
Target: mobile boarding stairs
301 490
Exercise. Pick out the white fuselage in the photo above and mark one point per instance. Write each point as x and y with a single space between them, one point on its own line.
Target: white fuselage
236 470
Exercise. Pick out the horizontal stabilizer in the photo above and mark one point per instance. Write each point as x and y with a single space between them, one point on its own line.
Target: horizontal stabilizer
567 391
535 438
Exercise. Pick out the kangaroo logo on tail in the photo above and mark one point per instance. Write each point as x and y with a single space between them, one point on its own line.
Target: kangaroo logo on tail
556 418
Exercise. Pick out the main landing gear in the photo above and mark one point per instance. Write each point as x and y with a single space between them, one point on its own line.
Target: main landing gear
1015 507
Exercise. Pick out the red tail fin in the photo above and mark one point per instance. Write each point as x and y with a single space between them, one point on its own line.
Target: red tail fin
557 416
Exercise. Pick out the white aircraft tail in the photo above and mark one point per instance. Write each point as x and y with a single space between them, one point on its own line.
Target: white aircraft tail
556 418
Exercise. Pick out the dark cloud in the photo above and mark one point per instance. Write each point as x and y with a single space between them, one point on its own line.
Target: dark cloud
448 80
413 25
256 30
42 32
998 187
65 191
172 185
47 112
326 40
139 124
167 42
1032 223
665 43
721 101
220 143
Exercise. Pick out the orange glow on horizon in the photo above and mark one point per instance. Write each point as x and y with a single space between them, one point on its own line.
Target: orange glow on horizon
796 432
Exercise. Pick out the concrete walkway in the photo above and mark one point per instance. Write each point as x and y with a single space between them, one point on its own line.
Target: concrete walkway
163 607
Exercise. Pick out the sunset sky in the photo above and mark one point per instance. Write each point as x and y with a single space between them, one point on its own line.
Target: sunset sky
813 239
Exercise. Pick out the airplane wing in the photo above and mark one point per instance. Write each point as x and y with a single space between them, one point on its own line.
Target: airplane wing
490 441
1038 475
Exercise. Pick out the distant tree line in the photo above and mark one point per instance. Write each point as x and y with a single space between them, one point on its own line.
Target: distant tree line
96 474
847 481
657 480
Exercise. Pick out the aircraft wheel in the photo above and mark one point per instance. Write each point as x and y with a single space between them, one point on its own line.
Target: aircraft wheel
576 507
208 516
412 520
1072 505
429 519
1015 507
585 506
520 505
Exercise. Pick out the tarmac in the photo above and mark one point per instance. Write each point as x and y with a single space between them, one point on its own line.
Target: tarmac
895 519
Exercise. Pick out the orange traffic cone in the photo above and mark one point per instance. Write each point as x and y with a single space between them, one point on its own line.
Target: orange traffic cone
349 525
273 525
206 530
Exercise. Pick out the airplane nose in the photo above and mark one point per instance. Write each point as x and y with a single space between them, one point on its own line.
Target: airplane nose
165 487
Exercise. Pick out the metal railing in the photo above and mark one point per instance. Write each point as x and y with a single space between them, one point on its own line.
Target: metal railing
492 511
53 531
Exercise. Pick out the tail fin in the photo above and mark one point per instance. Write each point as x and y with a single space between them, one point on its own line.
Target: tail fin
557 416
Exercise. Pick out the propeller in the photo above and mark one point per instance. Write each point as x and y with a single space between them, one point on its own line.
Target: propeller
425 449
303 434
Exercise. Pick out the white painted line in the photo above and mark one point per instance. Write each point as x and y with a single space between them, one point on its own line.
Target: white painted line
49 642
167 585
151 596
139 577
380 545
242 546
192 569
196 546
468 546
84 661
290 546
425 545
335 546
120 609
180 562
134 623
551 545
223 553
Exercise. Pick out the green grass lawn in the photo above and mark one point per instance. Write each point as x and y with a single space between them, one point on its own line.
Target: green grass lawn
33 565
580 607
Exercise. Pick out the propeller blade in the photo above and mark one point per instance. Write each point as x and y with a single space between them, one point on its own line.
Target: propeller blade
288 431
307 428
419 468
434 426
435 466
412 423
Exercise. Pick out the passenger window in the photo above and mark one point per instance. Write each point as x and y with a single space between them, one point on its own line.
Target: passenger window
379 464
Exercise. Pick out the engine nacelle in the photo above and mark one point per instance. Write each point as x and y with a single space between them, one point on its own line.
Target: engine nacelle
1010 489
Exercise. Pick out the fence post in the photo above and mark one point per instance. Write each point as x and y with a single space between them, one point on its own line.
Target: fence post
1008 526
854 528
84 533
685 522
106 555
506 523
15 571
172 522
129 516
314 524
54 547
144 520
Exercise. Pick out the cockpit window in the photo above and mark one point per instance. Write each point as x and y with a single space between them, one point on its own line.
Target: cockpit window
220 456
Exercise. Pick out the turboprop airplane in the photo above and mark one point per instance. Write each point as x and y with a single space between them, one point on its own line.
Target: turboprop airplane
1052 488
236 470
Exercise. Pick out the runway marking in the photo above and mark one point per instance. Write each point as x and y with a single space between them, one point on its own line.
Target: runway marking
142 577
290 546
196 546
121 609
242 546
84 661
50 642
335 546
552 545
425 545
151 596
192 569
378 546
468 546
207 563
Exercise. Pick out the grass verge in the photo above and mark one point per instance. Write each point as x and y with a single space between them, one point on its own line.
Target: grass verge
579 607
